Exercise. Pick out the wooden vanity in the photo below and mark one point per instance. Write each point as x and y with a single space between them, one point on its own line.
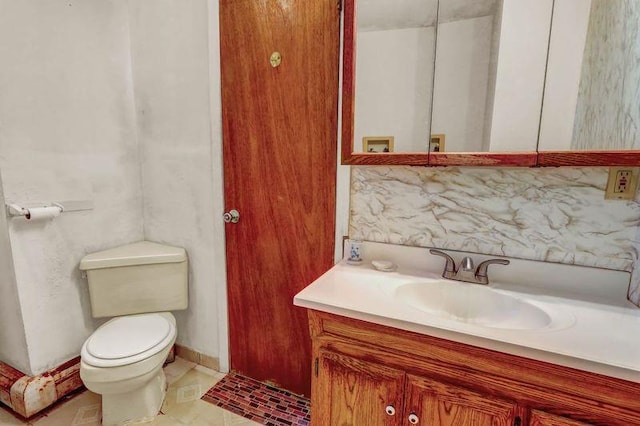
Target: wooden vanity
370 374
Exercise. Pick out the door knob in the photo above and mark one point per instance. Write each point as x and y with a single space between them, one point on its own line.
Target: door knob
413 419
232 216
390 410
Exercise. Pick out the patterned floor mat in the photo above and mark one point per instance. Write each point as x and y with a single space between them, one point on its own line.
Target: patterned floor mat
259 402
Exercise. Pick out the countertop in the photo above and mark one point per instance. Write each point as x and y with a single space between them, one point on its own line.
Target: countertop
595 328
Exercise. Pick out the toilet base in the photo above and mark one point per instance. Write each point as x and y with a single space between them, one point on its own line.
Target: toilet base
137 406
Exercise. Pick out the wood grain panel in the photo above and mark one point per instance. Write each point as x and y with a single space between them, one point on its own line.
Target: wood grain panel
446 405
357 392
387 159
495 159
279 146
589 158
540 418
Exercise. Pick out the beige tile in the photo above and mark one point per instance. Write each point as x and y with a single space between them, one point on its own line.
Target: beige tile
8 419
177 369
184 395
232 419
164 420
210 372
204 414
83 409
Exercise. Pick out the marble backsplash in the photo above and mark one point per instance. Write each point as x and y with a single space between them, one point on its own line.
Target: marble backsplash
553 215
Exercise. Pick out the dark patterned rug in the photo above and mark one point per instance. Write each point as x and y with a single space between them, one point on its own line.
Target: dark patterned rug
259 402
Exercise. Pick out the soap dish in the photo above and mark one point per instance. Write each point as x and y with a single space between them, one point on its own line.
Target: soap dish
384 265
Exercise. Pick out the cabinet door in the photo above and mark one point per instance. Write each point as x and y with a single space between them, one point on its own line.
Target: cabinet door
540 418
434 403
350 391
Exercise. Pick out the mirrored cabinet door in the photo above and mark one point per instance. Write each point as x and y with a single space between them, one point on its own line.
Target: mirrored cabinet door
389 54
489 80
394 75
591 111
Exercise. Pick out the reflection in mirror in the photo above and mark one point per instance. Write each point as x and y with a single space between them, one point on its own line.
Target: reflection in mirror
592 96
489 75
394 73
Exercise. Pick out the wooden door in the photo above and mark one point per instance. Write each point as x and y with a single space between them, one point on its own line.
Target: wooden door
440 404
350 391
540 418
279 147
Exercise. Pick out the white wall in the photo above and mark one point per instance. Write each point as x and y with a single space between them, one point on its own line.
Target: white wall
394 75
13 341
566 51
522 60
182 189
461 81
68 133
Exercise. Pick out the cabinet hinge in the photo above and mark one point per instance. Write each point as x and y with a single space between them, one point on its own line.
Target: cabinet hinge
316 367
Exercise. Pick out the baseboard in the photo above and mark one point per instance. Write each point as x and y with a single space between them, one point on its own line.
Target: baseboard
197 357
28 395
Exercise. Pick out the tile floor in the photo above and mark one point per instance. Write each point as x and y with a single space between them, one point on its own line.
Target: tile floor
188 382
260 402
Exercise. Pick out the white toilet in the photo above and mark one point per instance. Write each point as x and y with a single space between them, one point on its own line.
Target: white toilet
122 360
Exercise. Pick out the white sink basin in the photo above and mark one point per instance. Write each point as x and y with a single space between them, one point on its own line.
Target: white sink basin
473 304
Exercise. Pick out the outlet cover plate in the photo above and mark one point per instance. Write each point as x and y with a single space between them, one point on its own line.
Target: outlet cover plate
611 192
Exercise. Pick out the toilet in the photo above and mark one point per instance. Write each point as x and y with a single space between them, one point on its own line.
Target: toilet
136 284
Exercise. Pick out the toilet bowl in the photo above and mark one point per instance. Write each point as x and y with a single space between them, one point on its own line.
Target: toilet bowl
122 360
136 285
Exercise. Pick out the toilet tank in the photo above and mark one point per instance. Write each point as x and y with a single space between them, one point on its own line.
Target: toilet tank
137 278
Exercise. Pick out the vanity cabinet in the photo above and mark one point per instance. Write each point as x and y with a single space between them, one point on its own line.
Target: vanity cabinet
371 374
357 392
431 402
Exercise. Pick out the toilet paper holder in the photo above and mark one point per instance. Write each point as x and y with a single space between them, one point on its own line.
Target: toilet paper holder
16 210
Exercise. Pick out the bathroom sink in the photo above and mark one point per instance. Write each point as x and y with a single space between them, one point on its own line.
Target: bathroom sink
473 304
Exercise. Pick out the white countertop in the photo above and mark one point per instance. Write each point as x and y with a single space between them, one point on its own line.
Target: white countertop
595 328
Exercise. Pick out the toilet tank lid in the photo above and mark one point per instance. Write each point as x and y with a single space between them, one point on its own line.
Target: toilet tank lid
140 253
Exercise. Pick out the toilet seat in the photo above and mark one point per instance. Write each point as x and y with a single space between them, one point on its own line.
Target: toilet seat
128 339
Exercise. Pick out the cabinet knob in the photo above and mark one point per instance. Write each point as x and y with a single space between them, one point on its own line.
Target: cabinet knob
390 410
413 419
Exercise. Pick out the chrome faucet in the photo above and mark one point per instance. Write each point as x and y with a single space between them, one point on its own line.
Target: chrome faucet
465 272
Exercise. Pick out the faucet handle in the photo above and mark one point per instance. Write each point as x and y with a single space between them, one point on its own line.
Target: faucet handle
450 266
481 272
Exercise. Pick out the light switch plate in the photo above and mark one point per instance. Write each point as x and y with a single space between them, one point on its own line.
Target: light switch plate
622 183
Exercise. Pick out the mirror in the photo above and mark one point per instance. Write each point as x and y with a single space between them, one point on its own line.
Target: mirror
592 95
487 73
442 76
396 42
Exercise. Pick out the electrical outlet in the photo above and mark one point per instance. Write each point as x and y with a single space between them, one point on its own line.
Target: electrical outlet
622 184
